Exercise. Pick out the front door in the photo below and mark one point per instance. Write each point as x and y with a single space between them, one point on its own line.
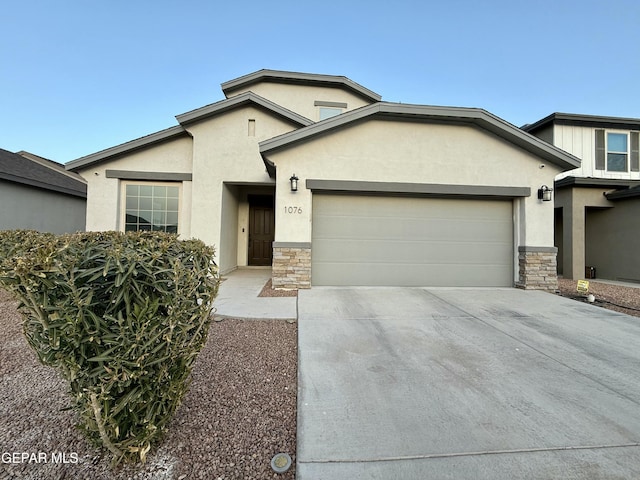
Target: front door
261 229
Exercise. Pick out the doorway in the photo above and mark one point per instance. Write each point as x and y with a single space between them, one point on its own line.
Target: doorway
261 230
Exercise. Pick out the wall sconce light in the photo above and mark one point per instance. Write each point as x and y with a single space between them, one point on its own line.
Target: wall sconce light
294 183
544 193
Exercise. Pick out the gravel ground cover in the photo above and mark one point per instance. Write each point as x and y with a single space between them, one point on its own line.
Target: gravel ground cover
269 291
611 296
239 412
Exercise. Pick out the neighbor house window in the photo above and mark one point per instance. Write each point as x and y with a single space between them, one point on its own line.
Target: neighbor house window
617 151
151 207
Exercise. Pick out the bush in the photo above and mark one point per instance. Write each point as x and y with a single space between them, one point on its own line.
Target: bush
121 316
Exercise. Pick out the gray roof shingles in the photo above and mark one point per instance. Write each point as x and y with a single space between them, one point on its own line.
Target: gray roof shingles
19 169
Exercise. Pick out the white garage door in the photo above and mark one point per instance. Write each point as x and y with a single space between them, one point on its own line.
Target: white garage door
364 240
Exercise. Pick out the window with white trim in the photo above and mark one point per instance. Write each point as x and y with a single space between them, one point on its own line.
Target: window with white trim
329 109
617 151
328 112
151 207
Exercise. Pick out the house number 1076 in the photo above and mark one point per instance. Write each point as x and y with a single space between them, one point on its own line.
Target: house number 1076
292 210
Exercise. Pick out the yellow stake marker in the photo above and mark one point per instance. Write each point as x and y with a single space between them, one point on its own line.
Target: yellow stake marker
583 286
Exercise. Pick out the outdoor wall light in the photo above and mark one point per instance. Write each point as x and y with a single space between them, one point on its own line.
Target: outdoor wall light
294 183
544 193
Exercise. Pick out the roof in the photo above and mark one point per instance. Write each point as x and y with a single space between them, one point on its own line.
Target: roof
579 120
297 78
424 113
187 118
590 182
624 194
247 98
128 147
28 169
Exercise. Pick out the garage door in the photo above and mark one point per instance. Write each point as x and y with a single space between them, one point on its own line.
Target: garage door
363 240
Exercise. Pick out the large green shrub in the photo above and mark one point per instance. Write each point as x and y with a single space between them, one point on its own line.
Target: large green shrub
122 316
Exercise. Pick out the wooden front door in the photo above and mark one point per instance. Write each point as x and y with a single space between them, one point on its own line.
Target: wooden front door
261 230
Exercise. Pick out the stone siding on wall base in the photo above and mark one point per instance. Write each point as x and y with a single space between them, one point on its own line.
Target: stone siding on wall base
291 267
538 270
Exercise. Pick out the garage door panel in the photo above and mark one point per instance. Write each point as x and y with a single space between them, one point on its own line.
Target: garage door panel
410 252
391 274
411 241
398 228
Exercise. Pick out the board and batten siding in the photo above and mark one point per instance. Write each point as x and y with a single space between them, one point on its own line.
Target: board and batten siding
580 141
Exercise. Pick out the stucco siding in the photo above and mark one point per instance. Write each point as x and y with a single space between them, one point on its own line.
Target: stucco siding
224 151
31 208
611 239
301 99
388 151
104 194
228 248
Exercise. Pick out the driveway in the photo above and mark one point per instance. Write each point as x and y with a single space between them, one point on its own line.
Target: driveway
417 383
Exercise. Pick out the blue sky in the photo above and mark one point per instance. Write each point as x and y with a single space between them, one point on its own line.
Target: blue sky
78 76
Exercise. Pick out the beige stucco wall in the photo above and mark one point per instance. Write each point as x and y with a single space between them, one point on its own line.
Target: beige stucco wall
104 194
387 151
301 98
224 152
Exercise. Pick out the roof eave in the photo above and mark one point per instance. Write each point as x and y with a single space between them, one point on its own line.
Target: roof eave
299 78
238 101
458 115
42 185
127 147
595 121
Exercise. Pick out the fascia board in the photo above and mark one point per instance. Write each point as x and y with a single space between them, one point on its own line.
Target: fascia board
42 185
137 144
459 115
237 101
298 77
579 120
623 194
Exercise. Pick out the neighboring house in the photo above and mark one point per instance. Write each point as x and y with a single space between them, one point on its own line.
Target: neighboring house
316 176
598 204
39 194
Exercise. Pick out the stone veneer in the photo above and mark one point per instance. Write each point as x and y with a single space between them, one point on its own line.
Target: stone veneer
291 268
537 268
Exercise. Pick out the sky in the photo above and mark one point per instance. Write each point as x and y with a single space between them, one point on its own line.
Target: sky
79 76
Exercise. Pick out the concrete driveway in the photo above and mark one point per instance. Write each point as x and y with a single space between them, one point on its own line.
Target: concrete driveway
416 383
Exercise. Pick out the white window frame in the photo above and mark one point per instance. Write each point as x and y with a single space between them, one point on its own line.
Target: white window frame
123 199
335 111
335 108
607 151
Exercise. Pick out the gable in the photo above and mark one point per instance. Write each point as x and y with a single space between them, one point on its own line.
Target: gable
422 114
382 149
303 93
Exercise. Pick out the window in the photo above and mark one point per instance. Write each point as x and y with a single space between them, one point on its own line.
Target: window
151 207
328 112
329 109
617 152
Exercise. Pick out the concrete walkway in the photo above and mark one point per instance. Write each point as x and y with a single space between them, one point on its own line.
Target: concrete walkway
238 297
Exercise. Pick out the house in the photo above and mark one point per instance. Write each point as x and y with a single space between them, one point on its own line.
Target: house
318 177
39 194
597 218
